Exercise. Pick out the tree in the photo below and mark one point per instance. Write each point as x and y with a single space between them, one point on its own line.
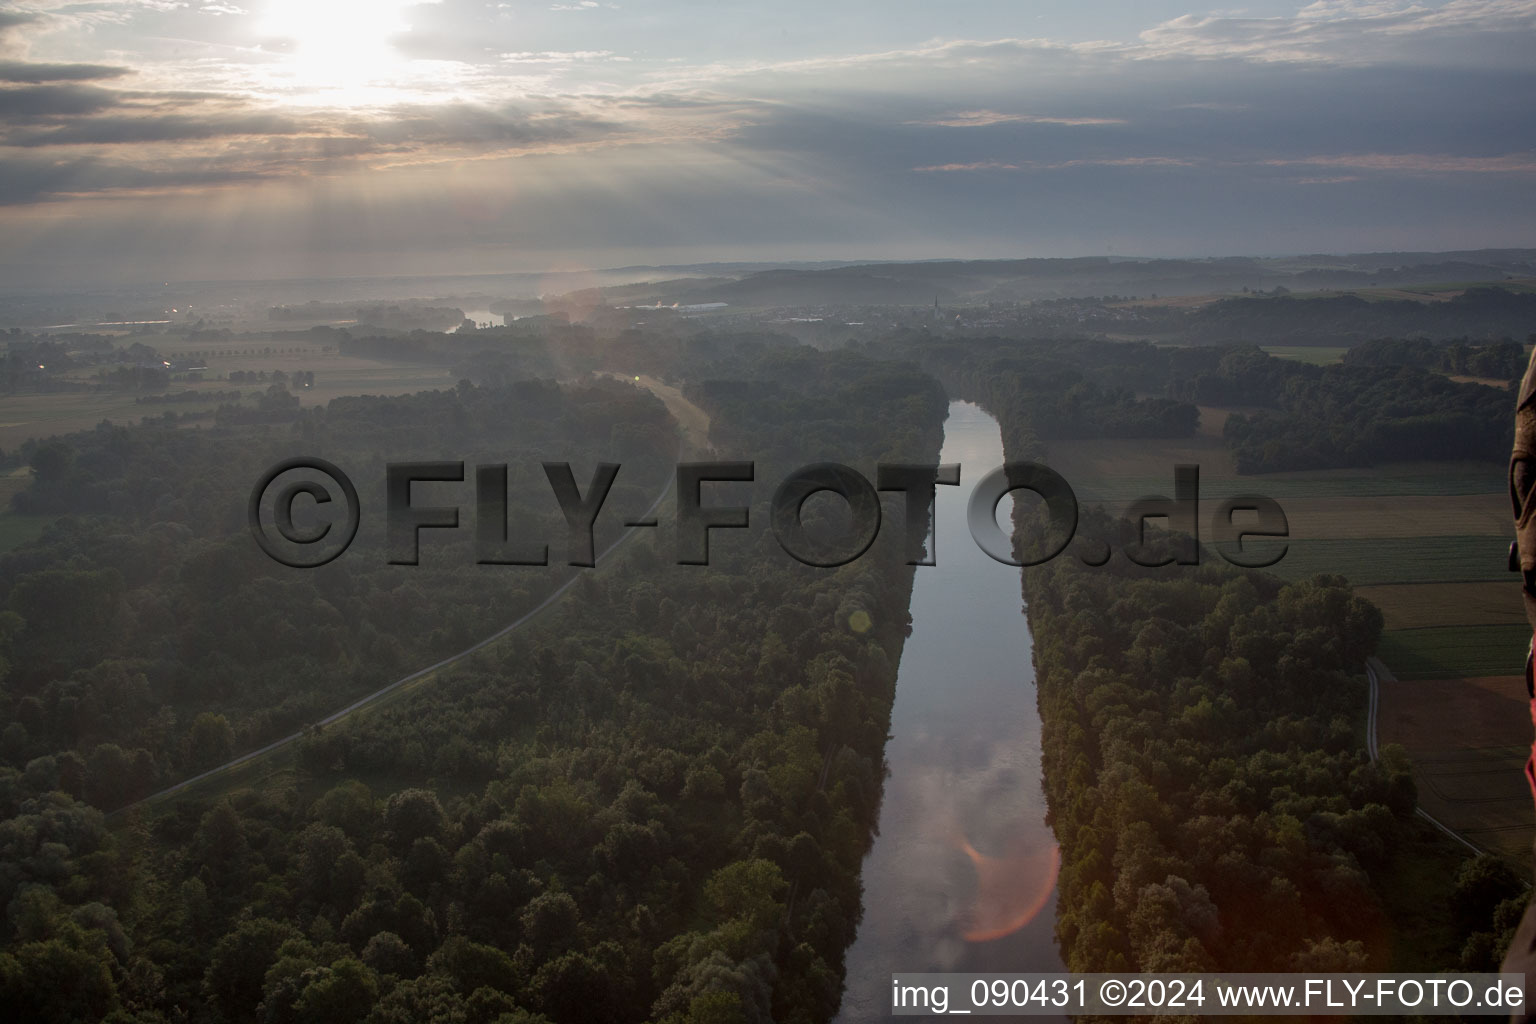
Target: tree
1481 885
212 740
51 461
471 965
53 982
748 890
387 953
550 922
108 776
238 965
413 814
350 807
340 994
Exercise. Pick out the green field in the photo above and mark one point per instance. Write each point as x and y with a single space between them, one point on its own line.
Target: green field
1153 474
1317 355
1425 605
1437 291
1455 652
1520 287
1398 560
28 417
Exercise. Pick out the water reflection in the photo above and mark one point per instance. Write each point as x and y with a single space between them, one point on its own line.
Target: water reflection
962 876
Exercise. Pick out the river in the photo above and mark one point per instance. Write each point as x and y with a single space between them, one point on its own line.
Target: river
962 874
481 318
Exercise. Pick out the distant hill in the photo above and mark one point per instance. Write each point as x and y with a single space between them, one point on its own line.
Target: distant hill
980 281
779 284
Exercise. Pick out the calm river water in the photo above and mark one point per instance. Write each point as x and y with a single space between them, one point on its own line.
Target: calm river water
962 875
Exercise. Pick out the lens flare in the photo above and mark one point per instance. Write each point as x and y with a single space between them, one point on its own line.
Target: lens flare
1010 890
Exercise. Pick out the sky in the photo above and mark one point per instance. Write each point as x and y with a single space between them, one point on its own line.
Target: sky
213 139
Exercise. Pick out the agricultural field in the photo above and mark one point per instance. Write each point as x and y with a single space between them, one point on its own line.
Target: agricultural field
31 416
1487 382
1466 652
1123 470
26 417
1434 562
1317 355
1422 606
1433 525
1469 738
1438 291
1450 289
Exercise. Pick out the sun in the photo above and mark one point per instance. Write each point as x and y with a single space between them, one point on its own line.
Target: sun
336 47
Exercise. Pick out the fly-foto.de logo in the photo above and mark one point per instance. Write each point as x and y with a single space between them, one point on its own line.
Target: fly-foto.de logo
304 512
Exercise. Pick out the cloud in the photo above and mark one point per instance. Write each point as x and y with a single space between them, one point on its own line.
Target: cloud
558 57
980 165
1480 34
1417 163
113 131
1122 161
1355 32
10 36
33 102
28 180
111 143
426 128
32 72
987 118
1126 161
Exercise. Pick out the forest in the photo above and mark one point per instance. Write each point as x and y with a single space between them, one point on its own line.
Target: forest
1354 416
146 636
652 805
1500 360
1391 404
1215 808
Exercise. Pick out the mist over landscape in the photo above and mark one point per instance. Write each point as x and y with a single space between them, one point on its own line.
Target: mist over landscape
495 497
